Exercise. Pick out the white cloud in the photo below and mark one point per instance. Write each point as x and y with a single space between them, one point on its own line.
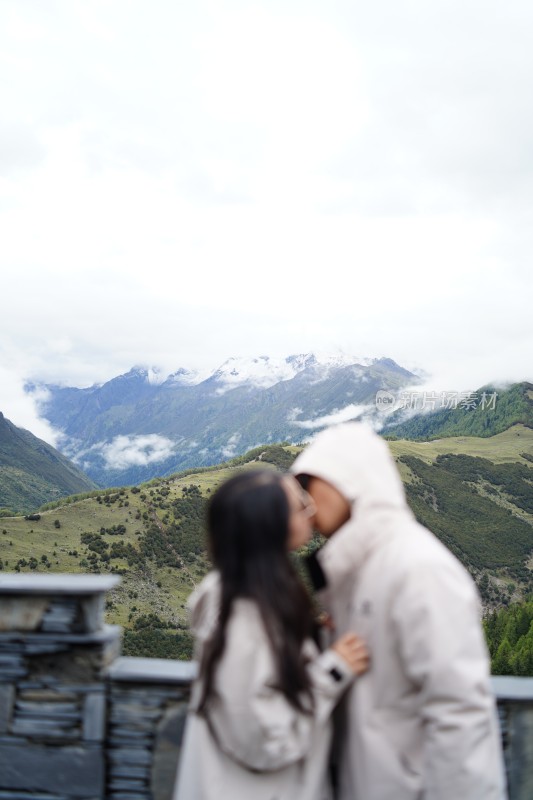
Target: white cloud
21 408
316 176
345 414
231 447
131 451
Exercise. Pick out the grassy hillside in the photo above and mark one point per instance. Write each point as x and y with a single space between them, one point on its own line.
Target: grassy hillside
475 494
153 535
512 445
513 406
482 511
32 472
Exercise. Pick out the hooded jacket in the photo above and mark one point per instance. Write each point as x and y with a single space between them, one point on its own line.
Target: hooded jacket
421 723
253 744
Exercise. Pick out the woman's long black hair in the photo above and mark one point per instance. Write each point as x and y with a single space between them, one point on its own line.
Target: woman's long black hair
248 528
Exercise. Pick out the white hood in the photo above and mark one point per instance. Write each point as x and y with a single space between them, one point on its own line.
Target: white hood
357 462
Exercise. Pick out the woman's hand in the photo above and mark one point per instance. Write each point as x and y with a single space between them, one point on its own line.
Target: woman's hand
354 651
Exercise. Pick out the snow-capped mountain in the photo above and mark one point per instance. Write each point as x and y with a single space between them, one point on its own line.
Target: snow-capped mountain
261 371
152 375
147 423
264 371
186 377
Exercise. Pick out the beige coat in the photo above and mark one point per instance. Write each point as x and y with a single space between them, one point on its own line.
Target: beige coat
421 723
256 746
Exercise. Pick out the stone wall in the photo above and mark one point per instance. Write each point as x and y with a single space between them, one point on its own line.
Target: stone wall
76 720
147 704
54 649
79 722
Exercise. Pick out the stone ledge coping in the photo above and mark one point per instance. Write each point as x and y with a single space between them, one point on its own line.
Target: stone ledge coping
108 633
57 584
508 687
163 670
128 669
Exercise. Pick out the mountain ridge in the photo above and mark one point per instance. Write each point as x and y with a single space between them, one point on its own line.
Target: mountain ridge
133 427
32 471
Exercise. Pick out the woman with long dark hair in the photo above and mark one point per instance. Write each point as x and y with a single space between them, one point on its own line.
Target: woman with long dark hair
259 723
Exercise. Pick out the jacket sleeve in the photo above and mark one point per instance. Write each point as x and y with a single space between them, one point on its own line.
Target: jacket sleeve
436 616
251 720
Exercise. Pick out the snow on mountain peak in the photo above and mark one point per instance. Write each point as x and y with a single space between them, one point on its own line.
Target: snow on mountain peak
155 376
186 377
264 371
259 371
152 375
341 359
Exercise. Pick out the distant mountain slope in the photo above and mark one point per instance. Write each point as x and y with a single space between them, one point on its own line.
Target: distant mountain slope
511 406
138 425
32 472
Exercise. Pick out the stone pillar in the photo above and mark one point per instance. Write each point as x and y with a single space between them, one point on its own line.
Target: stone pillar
54 648
148 700
515 707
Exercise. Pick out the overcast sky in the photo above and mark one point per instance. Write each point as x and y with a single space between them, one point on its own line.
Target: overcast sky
184 182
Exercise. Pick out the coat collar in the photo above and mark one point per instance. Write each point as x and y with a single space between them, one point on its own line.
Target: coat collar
366 532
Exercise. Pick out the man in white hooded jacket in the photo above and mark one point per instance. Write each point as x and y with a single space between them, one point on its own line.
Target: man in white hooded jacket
421 724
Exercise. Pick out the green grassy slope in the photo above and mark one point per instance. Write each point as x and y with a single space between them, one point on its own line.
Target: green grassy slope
476 494
152 535
512 406
510 446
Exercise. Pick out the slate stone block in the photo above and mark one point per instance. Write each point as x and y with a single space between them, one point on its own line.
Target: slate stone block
32 707
49 732
94 717
519 753
124 743
124 733
7 697
74 771
130 755
60 617
34 693
47 648
132 711
69 719
26 796
131 796
128 771
10 660
166 752
12 675
127 786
